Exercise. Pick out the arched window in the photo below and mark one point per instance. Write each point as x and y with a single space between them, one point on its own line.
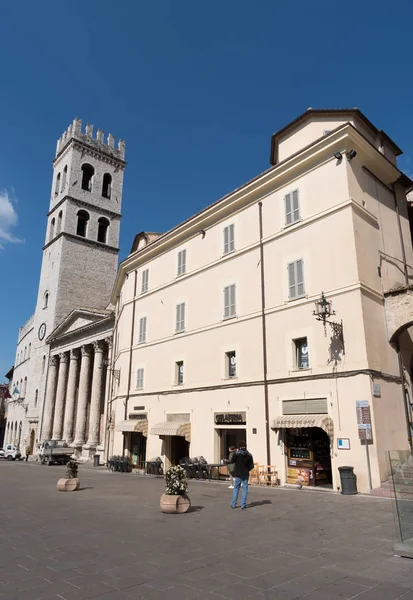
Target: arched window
57 185
64 178
30 349
19 439
59 223
46 300
103 230
25 386
51 236
82 219
88 172
43 364
107 185
25 351
21 387
36 396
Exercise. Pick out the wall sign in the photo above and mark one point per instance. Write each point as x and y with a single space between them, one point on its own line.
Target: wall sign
364 420
231 418
343 443
138 408
376 390
138 416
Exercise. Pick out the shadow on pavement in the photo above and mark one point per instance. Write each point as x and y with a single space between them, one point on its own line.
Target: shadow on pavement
195 508
258 503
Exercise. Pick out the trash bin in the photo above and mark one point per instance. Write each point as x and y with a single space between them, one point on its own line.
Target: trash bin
348 481
96 459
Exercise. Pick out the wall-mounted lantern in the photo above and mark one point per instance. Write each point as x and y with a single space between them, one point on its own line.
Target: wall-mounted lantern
323 311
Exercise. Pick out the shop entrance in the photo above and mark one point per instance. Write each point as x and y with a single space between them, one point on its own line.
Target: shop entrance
137 449
229 437
31 443
179 449
308 456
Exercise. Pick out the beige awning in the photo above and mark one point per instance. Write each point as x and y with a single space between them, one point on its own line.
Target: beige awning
294 421
133 426
172 428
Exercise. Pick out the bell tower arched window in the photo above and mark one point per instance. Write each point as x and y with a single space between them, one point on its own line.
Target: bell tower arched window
64 178
87 176
36 396
107 185
46 300
82 220
52 224
103 230
59 223
57 185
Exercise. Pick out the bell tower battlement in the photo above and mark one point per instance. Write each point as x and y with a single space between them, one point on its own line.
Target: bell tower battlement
74 131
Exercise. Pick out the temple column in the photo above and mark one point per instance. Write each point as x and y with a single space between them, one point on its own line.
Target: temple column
94 416
71 396
83 396
107 405
50 398
60 397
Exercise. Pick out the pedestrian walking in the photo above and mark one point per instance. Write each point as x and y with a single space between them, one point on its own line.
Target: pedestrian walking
244 463
231 467
27 453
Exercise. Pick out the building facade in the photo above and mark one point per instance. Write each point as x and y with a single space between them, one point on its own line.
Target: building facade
79 264
214 334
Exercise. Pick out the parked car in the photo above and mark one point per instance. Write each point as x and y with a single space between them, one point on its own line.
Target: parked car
11 452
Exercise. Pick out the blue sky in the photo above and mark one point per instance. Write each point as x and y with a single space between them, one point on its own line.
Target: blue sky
196 90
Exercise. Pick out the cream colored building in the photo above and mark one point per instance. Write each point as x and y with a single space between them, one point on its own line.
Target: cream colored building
215 338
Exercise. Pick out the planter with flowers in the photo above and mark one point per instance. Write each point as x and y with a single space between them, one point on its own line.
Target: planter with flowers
70 483
175 500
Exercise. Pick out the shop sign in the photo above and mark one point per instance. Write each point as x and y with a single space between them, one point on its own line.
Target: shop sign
138 408
343 443
230 418
138 416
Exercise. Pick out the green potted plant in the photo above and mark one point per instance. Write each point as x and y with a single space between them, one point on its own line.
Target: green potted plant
175 500
70 483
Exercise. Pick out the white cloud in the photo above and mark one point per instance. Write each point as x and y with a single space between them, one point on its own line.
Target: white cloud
8 220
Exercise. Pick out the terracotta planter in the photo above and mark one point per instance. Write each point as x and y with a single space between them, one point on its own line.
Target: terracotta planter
175 504
68 485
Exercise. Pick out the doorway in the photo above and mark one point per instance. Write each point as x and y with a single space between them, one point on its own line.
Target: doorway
137 449
229 437
179 449
31 442
308 457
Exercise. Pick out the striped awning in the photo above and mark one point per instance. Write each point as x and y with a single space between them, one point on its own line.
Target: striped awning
295 421
132 426
172 428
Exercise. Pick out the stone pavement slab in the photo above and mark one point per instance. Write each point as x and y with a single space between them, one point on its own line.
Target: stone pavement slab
109 541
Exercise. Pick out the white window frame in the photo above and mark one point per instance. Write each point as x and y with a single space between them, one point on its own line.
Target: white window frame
143 326
228 356
181 270
140 375
230 301
292 207
294 284
179 375
145 281
298 342
229 239
180 310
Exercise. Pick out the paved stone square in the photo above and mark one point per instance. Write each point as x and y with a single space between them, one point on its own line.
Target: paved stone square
110 541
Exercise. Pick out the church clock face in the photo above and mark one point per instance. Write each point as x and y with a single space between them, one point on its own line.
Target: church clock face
42 331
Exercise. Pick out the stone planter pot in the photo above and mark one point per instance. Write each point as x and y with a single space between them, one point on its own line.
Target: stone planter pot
175 504
68 485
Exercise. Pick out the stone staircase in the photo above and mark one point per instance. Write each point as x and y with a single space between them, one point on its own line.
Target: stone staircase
402 483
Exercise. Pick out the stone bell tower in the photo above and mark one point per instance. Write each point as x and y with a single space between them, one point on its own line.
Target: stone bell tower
80 255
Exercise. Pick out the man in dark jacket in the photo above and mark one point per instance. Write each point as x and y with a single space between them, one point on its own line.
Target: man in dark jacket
244 463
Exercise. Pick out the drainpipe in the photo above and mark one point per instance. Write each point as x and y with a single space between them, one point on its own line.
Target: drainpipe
406 410
264 340
132 337
399 225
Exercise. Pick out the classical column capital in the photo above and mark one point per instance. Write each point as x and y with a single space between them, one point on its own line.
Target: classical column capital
63 356
98 346
74 354
108 341
86 350
53 360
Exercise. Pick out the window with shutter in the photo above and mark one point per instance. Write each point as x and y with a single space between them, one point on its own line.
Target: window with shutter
229 301
139 378
180 317
142 330
182 262
229 239
292 208
145 281
296 279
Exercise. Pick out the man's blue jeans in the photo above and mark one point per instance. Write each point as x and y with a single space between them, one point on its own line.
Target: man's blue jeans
238 482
